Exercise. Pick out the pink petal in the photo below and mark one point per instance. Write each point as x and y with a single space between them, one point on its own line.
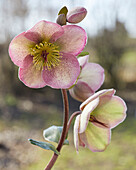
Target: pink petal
81 91
65 74
90 79
73 40
76 15
19 49
44 30
30 76
33 36
85 116
111 110
95 138
108 92
93 75
83 60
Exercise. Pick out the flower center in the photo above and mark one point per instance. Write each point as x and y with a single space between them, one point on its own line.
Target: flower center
45 55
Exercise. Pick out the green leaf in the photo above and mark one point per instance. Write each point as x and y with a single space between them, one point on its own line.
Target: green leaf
44 145
63 10
53 134
82 54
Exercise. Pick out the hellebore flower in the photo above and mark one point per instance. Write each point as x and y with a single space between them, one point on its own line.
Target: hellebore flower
76 15
100 113
89 80
46 54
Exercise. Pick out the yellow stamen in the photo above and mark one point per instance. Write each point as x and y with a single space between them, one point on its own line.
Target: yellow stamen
45 55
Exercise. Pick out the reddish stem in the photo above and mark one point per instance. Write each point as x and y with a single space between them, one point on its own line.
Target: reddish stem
64 131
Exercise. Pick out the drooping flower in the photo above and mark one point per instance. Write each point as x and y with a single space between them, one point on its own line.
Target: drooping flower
76 15
100 113
46 54
89 80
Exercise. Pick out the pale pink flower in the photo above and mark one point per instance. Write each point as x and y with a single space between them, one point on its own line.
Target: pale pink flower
76 15
46 54
90 79
100 113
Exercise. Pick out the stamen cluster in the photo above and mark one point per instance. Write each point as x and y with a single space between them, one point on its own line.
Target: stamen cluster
45 55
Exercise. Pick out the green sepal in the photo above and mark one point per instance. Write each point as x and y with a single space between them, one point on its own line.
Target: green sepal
82 54
44 145
53 134
63 10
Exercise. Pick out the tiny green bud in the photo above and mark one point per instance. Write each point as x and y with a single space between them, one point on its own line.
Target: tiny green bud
63 10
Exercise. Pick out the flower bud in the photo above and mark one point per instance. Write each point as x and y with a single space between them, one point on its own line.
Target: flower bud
76 15
61 20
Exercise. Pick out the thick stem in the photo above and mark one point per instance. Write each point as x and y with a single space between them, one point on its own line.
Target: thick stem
64 131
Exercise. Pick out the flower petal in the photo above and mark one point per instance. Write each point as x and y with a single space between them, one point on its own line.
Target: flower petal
29 75
96 138
83 60
81 91
65 74
111 110
109 92
85 116
73 40
19 49
93 75
33 36
76 127
90 79
76 15
46 31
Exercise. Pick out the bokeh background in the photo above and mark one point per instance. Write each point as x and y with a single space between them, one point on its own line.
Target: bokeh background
25 112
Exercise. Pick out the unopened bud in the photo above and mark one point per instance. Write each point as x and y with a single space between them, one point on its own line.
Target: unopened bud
61 20
76 15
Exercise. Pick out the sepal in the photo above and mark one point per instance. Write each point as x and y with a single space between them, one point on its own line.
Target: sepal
53 134
44 145
82 54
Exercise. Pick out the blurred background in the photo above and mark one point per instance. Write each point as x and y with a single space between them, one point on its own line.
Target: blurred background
25 112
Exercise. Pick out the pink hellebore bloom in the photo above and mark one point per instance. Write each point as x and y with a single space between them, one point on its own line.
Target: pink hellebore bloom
46 54
89 80
100 113
76 15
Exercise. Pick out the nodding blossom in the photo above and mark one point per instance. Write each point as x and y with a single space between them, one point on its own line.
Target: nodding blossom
90 79
100 113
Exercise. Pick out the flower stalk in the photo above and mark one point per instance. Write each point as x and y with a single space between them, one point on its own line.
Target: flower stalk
64 131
